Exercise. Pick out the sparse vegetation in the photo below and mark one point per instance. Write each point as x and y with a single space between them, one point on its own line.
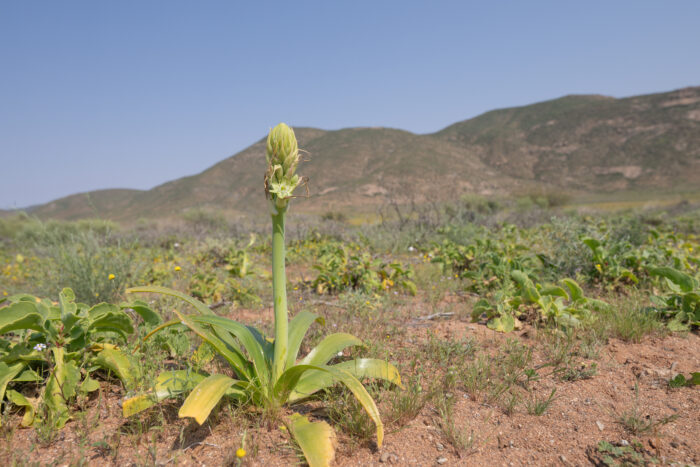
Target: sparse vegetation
497 315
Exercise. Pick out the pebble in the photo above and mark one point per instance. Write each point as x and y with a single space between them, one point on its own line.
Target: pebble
624 442
389 457
600 426
441 460
440 447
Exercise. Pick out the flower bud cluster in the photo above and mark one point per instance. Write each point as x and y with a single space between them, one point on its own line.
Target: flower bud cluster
282 159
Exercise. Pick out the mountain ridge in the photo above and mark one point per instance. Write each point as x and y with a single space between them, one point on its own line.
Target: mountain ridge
575 143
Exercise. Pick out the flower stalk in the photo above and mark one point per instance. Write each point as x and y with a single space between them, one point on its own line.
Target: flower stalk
280 181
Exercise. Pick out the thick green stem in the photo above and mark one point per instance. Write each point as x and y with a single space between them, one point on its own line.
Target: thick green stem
279 293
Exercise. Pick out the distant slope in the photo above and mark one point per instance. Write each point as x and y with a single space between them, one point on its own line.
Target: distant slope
592 142
108 203
579 144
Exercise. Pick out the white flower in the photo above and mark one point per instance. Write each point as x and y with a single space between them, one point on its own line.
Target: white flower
410 248
39 347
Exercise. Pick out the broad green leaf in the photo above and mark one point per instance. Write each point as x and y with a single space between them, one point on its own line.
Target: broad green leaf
89 385
480 307
119 364
329 347
316 439
575 290
313 381
110 318
168 384
142 309
289 379
298 327
682 280
591 243
554 290
60 387
503 323
20 315
7 373
205 396
28 375
20 401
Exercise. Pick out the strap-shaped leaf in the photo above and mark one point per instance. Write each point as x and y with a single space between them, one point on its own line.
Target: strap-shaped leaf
205 396
168 384
199 306
313 381
243 334
316 439
20 315
233 356
298 327
290 378
329 348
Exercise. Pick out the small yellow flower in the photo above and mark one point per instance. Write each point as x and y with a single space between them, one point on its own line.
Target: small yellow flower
240 453
177 268
4 293
110 277
599 268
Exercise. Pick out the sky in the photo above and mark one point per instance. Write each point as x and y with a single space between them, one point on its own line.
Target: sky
132 94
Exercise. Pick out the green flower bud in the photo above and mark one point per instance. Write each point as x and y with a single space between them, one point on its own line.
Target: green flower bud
282 159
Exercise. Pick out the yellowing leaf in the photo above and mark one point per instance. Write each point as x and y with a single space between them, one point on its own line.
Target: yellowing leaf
204 397
316 439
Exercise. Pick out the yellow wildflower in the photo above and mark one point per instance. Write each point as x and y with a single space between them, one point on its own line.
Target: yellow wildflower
4 293
177 268
111 277
240 453
599 268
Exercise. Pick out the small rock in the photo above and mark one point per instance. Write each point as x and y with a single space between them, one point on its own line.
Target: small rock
440 447
673 366
441 460
600 426
624 442
674 444
389 458
564 460
511 444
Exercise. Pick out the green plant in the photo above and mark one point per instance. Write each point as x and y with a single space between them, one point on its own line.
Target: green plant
537 406
564 306
619 455
60 346
682 305
339 271
266 372
680 381
96 269
238 260
635 423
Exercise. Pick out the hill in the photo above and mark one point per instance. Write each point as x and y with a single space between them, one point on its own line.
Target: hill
577 144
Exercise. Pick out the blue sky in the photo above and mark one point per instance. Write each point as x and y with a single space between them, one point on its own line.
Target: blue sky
135 93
